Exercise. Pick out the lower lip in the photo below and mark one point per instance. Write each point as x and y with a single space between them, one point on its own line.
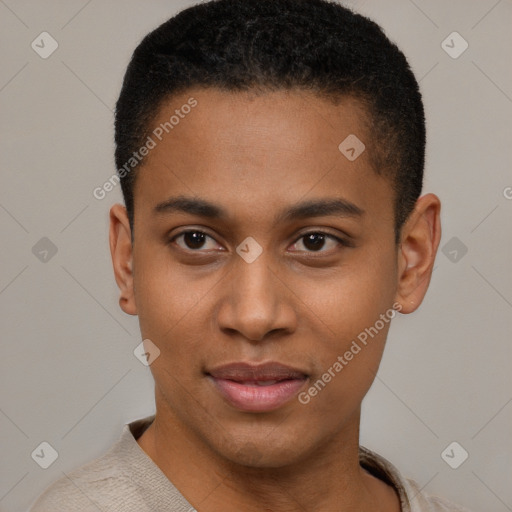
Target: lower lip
253 398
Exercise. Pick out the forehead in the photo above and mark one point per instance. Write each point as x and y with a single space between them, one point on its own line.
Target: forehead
280 121
260 149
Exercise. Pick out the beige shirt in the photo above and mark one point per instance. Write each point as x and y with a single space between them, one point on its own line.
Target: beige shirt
125 479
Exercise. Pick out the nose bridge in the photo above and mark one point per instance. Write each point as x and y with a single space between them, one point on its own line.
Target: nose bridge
254 289
255 279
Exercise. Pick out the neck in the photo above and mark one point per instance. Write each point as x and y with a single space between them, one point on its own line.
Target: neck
328 479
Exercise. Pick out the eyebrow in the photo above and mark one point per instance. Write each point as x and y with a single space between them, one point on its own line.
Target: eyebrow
306 209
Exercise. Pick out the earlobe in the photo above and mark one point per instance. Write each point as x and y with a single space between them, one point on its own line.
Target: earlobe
419 242
122 257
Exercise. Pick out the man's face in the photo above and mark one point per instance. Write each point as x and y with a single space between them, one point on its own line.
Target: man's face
321 279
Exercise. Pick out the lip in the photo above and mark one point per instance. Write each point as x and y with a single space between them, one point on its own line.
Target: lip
257 387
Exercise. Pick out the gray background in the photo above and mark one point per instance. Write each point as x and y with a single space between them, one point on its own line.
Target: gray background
68 373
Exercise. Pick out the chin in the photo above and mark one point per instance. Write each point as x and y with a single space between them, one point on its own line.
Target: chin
262 453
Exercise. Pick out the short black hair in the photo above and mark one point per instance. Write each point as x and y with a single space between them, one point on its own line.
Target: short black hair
269 45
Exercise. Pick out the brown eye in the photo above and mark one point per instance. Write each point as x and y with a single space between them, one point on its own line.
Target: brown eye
194 240
317 242
314 241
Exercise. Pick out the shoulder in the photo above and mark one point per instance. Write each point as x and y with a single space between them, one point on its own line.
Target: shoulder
106 483
412 497
421 501
100 485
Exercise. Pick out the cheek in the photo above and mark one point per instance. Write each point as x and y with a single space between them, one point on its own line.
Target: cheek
171 314
353 297
346 368
355 309
164 295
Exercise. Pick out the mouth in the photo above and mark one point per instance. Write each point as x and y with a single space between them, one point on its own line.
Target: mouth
257 388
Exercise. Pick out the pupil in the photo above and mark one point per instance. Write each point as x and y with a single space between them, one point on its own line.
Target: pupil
314 241
194 239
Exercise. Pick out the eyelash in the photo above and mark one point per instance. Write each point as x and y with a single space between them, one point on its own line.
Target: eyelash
342 242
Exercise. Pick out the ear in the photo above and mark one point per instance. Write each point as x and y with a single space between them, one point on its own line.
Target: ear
121 251
419 241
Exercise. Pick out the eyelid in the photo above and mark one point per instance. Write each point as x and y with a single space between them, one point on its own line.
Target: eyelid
341 235
341 240
188 229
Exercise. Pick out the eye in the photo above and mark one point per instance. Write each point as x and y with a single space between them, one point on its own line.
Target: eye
317 241
193 240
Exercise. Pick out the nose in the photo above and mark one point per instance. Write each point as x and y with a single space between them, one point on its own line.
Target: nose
256 303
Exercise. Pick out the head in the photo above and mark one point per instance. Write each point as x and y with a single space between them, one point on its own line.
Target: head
249 235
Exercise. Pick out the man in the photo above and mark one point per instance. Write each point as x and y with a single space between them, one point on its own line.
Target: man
271 157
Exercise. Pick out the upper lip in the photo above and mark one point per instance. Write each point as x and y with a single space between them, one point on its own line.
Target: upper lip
247 372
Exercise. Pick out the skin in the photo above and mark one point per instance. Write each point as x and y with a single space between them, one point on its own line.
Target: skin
256 155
